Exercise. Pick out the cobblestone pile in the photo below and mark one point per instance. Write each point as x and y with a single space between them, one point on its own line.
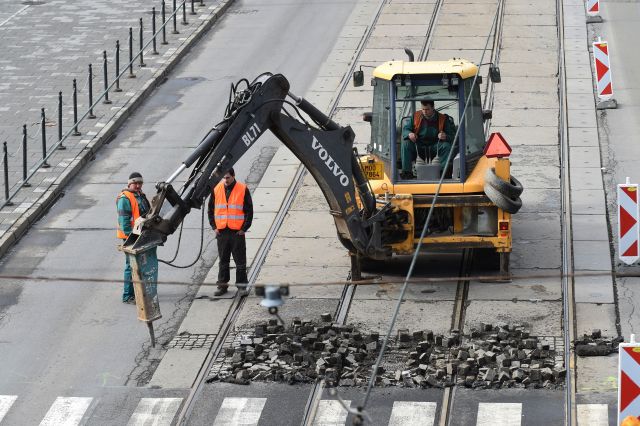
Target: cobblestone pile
596 345
492 356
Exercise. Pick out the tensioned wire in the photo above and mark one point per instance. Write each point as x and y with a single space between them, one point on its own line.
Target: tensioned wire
374 370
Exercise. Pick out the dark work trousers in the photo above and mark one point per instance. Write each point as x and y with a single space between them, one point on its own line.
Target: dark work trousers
230 243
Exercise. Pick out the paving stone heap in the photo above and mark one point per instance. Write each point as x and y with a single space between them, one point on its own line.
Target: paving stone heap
300 353
492 356
596 345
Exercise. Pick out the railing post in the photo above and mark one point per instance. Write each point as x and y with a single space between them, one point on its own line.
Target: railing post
184 12
5 156
43 130
24 157
193 8
75 109
61 147
175 19
91 115
153 30
164 26
105 74
201 2
117 89
142 64
131 74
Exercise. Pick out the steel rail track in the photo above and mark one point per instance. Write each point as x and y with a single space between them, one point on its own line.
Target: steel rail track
568 302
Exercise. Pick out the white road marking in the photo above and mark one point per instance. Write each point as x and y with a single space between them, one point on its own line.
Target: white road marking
413 413
6 401
155 412
593 415
240 411
66 411
331 413
499 414
14 15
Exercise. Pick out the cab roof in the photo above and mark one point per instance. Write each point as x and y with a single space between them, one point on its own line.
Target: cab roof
462 67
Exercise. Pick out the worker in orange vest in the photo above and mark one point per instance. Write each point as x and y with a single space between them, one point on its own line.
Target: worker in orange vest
131 204
230 215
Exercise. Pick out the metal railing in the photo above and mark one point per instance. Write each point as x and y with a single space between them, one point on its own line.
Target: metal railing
28 173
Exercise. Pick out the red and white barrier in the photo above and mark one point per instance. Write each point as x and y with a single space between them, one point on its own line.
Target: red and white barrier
628 229
593 7
628 379
603 74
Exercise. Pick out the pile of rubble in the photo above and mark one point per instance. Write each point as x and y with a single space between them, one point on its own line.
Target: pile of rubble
596 345
492 356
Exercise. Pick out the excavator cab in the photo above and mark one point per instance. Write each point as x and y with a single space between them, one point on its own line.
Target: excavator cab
398 90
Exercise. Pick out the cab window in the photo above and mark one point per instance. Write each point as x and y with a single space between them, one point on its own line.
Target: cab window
380 119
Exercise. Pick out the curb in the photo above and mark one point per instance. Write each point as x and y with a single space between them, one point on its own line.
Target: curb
20 227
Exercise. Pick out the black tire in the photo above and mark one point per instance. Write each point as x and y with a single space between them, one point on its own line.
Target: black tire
511 189
509 205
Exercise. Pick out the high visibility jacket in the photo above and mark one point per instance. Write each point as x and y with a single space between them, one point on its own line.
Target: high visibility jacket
417 121
135 212
229 213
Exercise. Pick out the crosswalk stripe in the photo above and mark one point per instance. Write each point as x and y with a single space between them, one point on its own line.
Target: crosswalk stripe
413 413
66 411
240 411
593 415
155 412
499 414
6 401
331 413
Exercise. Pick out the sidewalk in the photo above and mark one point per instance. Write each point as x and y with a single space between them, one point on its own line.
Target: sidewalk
46 46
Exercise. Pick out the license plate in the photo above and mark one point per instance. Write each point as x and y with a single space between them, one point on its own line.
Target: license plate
373 171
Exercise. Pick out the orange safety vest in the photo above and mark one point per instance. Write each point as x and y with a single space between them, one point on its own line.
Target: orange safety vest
229 213
135 212
417 121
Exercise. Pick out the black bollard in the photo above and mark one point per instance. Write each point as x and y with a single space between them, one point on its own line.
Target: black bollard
164 26
105 74
201 2
6 174
117 89
91 115
153 29
184 12
175 22
131 74
75 109
24 157
142 64
43 130
193 7
61 147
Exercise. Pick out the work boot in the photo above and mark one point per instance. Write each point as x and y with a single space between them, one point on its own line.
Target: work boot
222 289
129 300
242 289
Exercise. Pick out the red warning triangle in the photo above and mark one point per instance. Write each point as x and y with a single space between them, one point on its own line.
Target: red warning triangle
595 7
497 146
631 192
603 47
632 251
628 391
626 222
632 353
601 69
607 90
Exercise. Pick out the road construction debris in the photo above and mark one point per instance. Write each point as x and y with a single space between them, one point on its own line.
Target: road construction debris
490 357
596 345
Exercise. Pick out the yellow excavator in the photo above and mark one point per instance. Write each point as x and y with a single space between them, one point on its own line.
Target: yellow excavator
465 200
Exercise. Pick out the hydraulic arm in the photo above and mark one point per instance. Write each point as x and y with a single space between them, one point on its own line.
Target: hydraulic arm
324 147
